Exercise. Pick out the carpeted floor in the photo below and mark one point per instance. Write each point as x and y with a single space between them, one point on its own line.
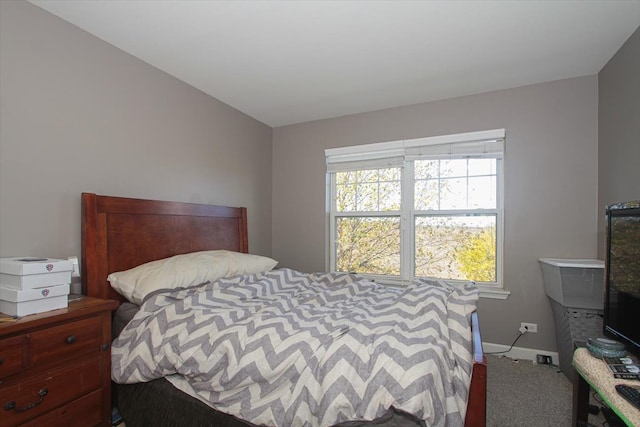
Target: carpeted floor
522 394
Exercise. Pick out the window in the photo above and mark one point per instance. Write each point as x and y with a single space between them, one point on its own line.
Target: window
417 208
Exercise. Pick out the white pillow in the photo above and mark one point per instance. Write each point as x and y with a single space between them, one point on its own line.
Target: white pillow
185 270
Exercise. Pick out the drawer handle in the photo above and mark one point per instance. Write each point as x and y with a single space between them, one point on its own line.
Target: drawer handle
71 339
12 404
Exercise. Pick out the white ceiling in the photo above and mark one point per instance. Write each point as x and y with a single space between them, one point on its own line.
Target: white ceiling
285 62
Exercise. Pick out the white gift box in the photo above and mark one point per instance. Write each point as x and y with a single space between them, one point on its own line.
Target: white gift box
17 302
30 272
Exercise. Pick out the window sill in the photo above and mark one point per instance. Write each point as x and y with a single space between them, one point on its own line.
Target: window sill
492 292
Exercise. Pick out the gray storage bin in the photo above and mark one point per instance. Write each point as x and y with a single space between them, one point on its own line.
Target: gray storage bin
573 325
575 288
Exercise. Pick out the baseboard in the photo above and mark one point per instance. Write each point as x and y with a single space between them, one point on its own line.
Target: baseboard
519 352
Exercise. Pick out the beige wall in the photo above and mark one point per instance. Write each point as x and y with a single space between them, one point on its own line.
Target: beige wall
79 115
550 185
619 129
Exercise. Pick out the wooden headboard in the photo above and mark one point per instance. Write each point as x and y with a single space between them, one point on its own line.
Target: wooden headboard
120 233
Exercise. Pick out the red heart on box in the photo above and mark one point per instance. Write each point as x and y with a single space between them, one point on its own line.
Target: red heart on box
45 292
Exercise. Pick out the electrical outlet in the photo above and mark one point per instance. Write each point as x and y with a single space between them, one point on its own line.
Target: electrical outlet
543 359
528 327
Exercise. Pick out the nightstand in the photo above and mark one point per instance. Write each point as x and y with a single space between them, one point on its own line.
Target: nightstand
55 367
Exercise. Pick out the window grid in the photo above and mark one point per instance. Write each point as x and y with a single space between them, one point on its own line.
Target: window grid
409 216
471 149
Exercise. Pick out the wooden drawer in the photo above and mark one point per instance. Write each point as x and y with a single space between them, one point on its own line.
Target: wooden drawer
40 393
65 352
83 412
56 343
13 356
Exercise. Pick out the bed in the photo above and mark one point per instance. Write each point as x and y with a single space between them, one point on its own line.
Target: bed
121 233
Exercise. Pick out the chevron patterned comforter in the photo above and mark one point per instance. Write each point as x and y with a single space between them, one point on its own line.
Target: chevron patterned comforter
285 348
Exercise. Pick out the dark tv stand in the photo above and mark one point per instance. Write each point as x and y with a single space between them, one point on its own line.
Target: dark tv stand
593 373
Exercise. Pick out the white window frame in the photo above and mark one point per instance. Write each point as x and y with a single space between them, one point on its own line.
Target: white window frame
403 153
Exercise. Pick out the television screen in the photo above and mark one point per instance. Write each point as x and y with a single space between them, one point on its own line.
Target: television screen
622 264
